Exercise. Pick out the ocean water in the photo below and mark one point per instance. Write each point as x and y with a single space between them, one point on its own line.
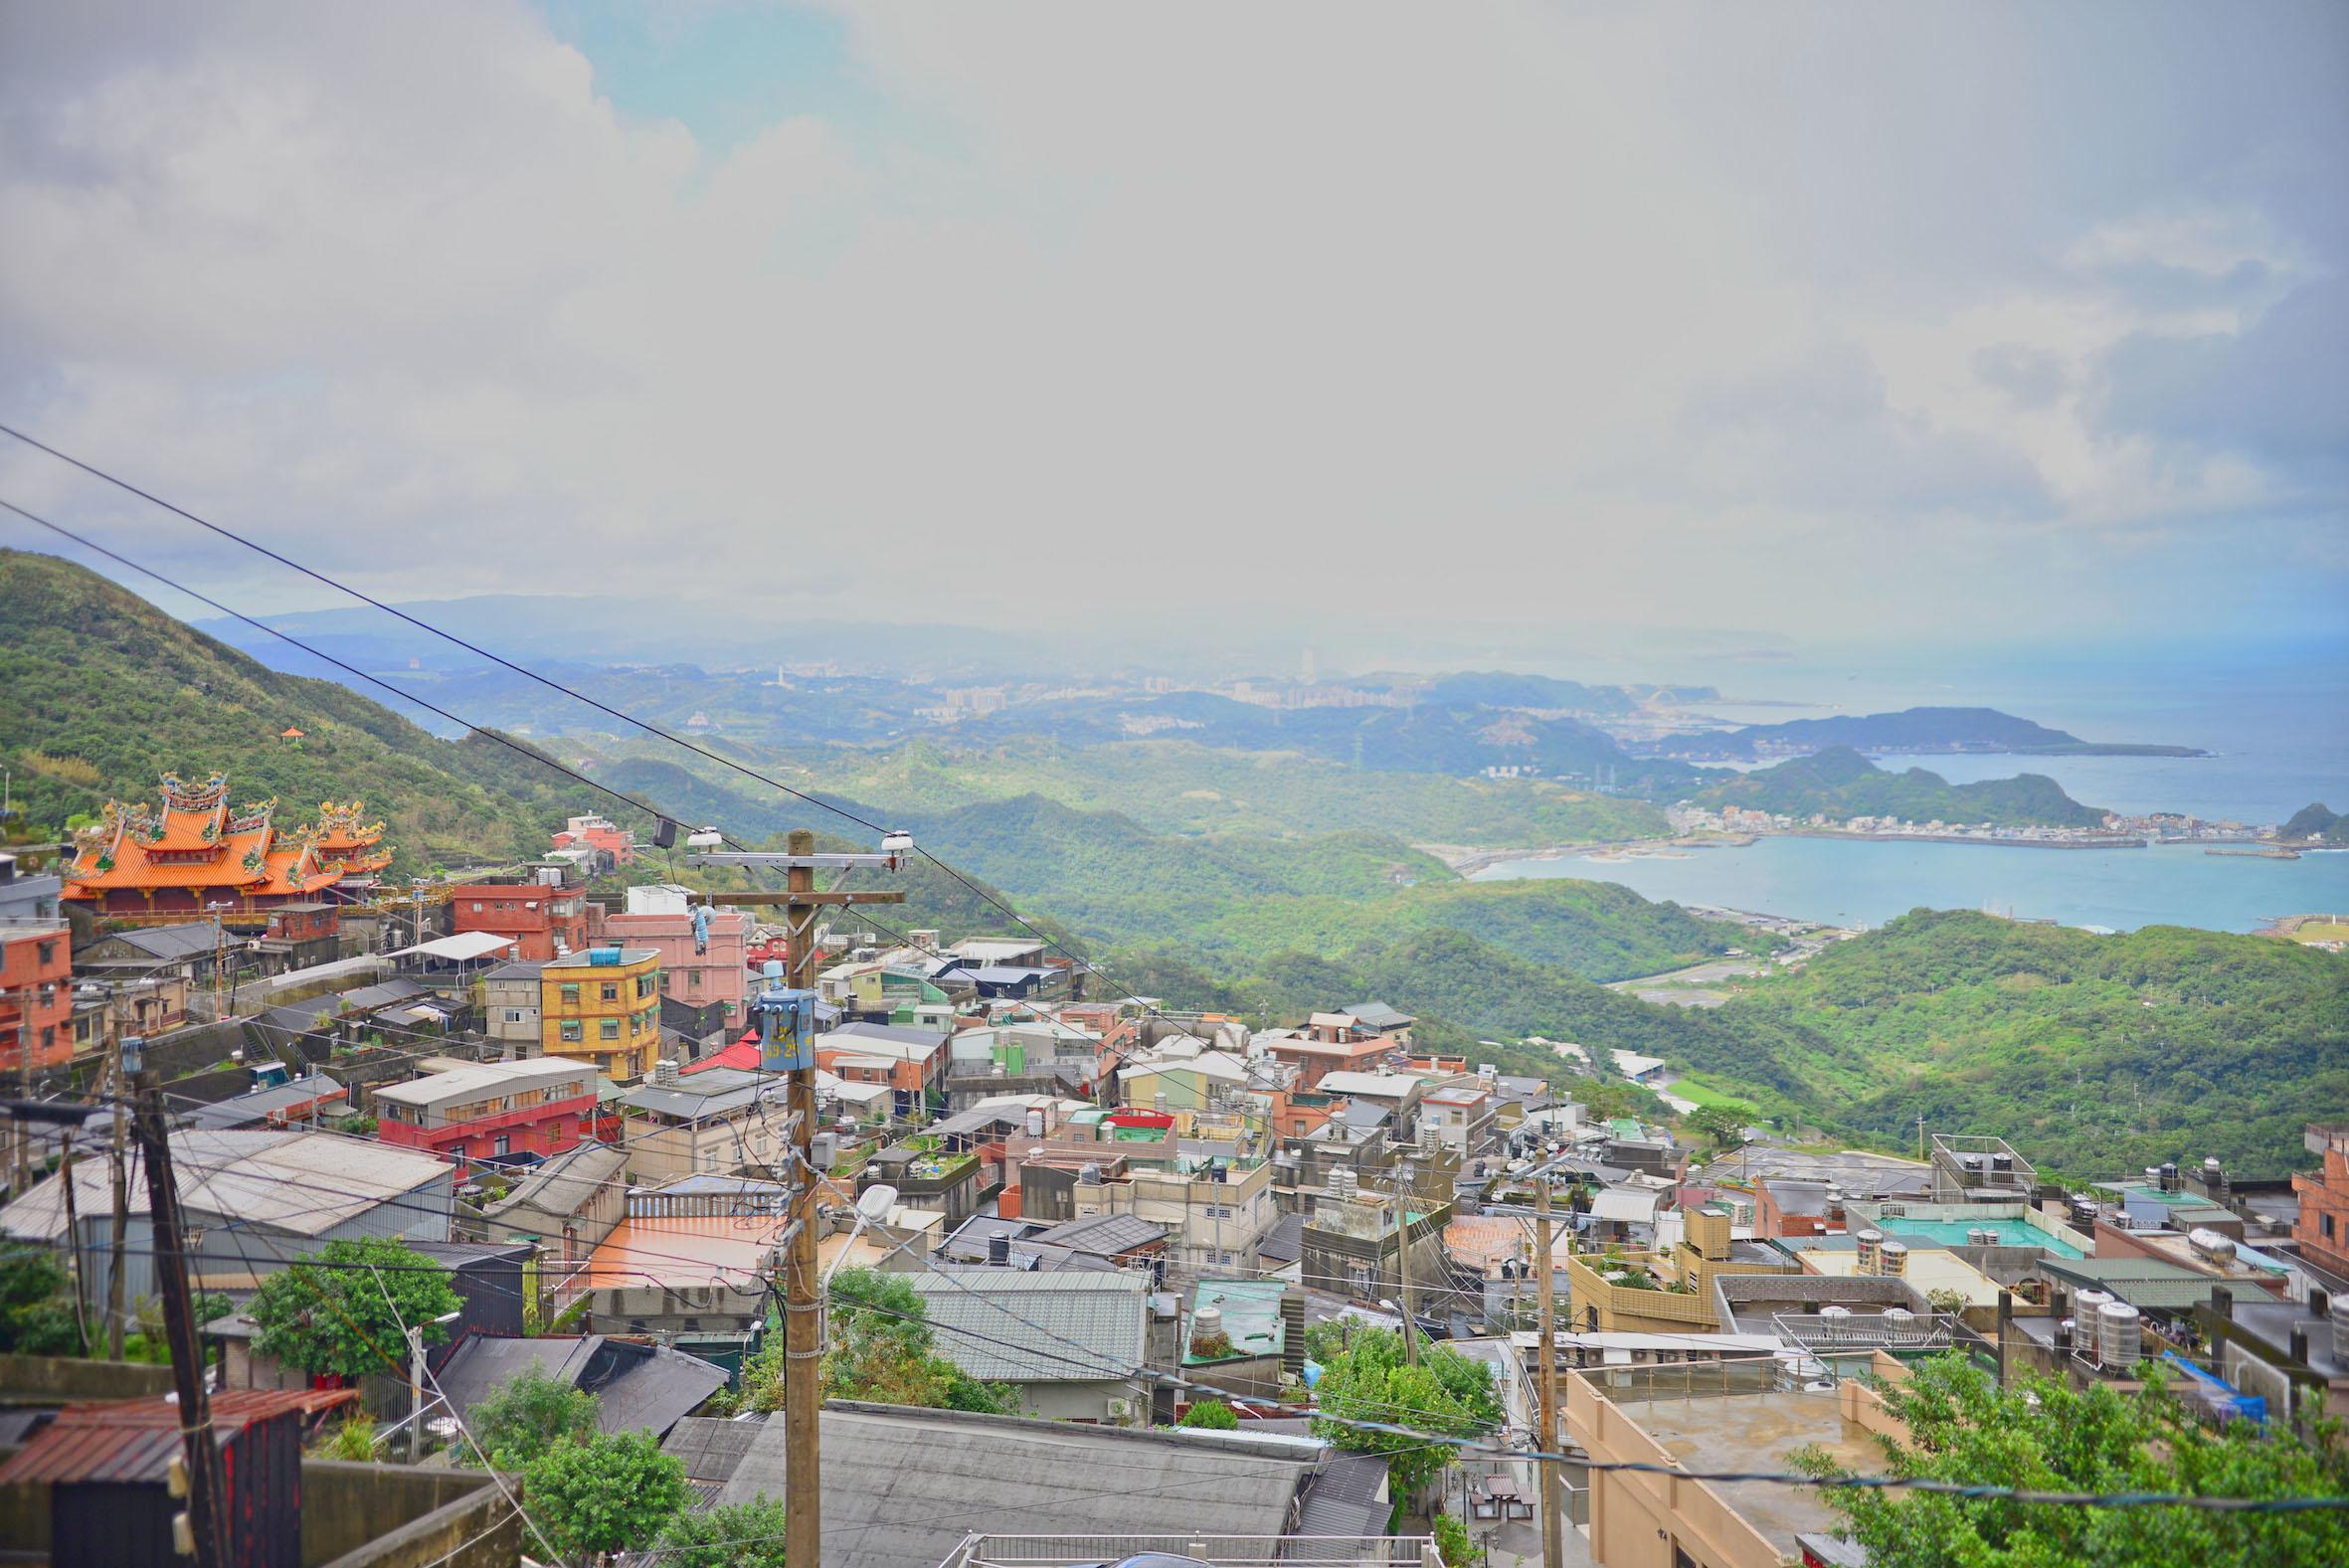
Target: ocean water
2275 717
1848 881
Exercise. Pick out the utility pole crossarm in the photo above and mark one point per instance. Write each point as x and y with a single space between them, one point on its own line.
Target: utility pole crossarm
834 900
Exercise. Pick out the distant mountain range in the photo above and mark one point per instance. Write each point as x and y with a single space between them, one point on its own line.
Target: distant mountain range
1909 731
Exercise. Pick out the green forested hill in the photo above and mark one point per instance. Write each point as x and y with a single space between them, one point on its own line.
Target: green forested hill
2094 1054
1227 900
1179 786
1843 784
100 692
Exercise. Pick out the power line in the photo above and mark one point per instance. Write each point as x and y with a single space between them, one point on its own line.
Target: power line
519 669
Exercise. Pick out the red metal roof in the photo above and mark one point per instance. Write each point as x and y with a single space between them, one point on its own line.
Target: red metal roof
134 1439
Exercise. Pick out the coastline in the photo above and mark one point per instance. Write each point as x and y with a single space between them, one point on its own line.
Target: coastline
1468 860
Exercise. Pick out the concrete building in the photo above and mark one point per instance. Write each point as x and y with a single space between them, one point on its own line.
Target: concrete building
1729 1415
603 1006
25 896
510 1009
679 1125
1216 1210
569 1205
612 845
677 1263
542 919
694 969
473 1110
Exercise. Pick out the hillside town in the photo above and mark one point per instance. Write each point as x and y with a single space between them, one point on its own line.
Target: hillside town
1106 1277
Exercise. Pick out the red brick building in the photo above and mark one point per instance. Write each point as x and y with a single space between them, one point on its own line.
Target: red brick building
2322 1230
36 993
534 916
1784 1206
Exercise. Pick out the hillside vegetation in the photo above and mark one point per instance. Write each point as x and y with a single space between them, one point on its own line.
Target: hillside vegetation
2095 1054
1181 787
1843 784
104 692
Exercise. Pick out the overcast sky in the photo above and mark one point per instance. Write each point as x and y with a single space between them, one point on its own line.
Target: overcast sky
1970 320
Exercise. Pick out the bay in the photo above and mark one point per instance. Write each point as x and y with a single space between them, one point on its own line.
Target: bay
1848 882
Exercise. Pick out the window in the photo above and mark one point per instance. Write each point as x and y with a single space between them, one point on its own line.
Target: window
612 990
693 979
513 1015
570 994
608 1028
47 953
503 1146
571 1028
2325 1224
476 909
645 987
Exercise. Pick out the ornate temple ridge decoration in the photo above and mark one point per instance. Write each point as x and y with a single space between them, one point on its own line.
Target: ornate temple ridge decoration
150 864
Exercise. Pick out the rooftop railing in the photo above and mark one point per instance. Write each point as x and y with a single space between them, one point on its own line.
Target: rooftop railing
1225 1551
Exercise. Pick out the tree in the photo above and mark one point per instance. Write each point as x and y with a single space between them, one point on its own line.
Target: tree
1212 1415
740 1535
35 1319
610 1493
1445 1393
2047 1436
344 1310
882 1349
528 1414
1724 1125
1452 1542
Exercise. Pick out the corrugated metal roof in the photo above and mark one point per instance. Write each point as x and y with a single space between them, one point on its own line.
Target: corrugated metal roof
305 1183
1035 1316
133 1440
901 1487
1107 1234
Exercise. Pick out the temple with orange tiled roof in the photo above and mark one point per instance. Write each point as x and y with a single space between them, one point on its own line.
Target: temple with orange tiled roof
137 863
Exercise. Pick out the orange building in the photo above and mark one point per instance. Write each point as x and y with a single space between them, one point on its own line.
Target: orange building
140 864
2322 1229
36 995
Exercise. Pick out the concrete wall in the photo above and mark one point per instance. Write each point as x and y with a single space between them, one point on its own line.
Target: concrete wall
387 1516
64 1380
1637 1518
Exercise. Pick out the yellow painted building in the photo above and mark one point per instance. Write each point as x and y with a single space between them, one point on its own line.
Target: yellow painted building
603 1006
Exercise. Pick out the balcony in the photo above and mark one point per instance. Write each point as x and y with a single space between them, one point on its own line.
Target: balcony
1223 1551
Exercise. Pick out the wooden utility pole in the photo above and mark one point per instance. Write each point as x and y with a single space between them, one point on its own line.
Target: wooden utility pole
117 1178
802 1321
207 1490
1402 1258
1553 1543
64 1177
803 1305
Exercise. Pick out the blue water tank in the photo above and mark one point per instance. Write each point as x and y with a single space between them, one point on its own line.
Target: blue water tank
604 958
787 1029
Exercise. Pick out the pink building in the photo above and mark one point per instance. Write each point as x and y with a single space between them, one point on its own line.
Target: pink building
658 918
601 834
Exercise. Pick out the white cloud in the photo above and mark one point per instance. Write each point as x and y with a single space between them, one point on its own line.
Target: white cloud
1293 308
